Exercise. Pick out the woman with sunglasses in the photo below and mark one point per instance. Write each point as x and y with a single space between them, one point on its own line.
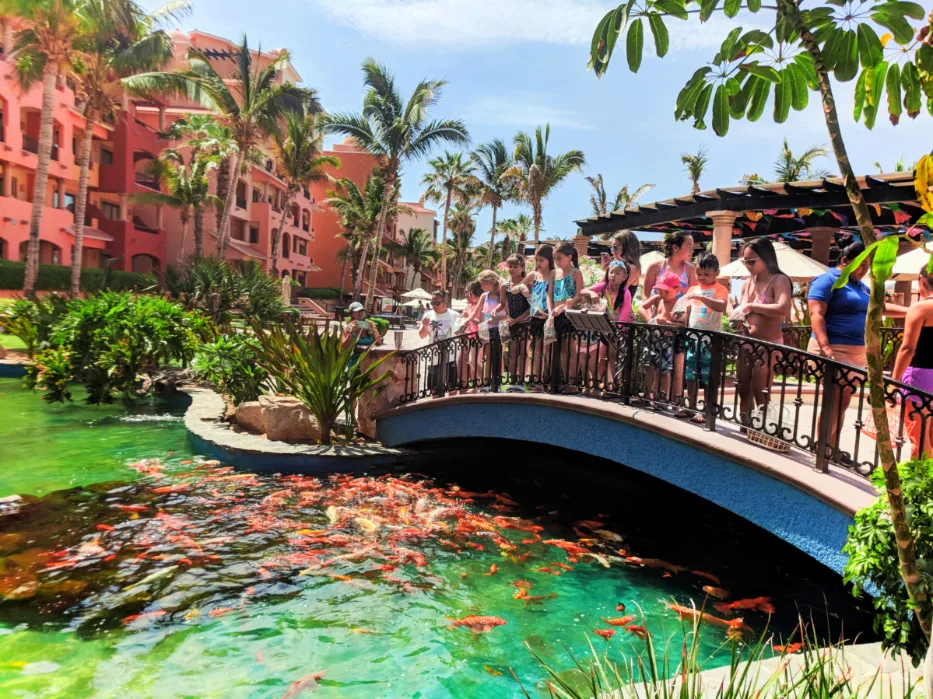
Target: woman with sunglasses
766 301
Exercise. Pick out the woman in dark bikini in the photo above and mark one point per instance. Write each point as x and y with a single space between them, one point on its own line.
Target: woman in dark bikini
513 301
766 301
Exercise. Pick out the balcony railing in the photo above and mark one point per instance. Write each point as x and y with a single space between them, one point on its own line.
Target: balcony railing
780 395
306 227
147 181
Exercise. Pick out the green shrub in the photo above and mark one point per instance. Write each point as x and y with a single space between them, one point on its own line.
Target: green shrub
382 325
113 339
229 362
319 292
52 373
32 321
873 563
58 278
314 366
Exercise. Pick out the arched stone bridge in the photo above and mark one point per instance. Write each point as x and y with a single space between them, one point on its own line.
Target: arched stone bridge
783 494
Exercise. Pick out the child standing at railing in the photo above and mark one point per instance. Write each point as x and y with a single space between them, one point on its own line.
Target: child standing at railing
707 302
438 325
489 325
614 291
513 302
658 351
536 288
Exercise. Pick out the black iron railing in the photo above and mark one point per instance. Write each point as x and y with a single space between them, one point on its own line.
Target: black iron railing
781 396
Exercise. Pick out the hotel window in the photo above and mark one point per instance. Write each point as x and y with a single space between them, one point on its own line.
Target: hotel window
106 156
253 235
111 211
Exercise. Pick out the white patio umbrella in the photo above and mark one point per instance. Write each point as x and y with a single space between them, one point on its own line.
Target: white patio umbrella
458 304
795 265
648 259
415 303
907 267
417 294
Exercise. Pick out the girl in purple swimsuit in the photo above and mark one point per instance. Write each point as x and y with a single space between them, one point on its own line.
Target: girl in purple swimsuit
914 365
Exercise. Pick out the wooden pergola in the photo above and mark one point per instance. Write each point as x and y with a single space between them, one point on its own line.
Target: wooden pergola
809 213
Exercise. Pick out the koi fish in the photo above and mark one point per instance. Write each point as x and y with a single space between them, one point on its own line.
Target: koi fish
220 611
476 624
620 621
131 508
757 604
474 545
592 524
602 560
620 607
570 548
562 566
521 583
492 570
520 593
792 648
342 578
607 535
492 671
193 614
690 613
535 599
639 631
171 488
605 633
655 563
105 528
545 569
309 682
366 524
147 615
709 576
716 591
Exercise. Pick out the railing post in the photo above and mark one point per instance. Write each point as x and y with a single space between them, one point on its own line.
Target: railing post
715 379
826 415
555 362
628 362
495 362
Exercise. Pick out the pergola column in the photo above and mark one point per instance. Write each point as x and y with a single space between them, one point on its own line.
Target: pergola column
822 240
723 222
581 243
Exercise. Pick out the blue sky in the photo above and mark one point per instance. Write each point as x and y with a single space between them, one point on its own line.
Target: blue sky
513 64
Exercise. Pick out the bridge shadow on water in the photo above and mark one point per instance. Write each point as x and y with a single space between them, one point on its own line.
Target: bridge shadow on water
660 522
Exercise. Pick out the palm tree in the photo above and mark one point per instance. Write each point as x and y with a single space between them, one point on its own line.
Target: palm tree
44 48
121 39
396 132
535 173
600 203
298 156
250 101
518 227
899 166
359 212
694 165
462 226
790 168
447 181
418 250
206 139
491 161
187 189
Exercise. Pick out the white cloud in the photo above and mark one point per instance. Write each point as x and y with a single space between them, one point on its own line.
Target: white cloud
518 107
465 24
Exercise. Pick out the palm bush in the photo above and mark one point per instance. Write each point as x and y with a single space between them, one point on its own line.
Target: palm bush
32 321
314 366
51 373
229 362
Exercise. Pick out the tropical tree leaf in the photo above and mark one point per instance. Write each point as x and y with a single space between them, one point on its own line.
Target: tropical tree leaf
687 99
910 81
874 84
634 45
707 7
891 17
662 40
869 46
782 98
859 95
737 99
672 7
893 84
883 261
801 96
599 51
833 37
766 72
731 7
721 110
702 106
758 99
846 65
805 62
617 23
753 5
846 271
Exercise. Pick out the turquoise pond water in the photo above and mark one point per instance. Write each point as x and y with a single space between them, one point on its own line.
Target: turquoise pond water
134 567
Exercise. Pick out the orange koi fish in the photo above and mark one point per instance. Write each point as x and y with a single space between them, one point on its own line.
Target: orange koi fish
492 570
620 607
605 633
521 583
474 545
570 548
545 569
105 528
655 563
620 621
476 624
709 576
562 566
535 599
690 613
299 686
716 592
220 611
147 615
171 488
792 648
131 508
640 631
757 604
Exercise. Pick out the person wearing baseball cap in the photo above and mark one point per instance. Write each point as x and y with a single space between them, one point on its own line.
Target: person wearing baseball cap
360 333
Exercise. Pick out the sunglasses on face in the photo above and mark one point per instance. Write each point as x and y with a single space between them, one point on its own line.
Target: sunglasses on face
750 261
614 247
435 303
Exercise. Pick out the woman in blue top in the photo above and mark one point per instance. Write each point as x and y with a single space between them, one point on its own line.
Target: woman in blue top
536 288
837 317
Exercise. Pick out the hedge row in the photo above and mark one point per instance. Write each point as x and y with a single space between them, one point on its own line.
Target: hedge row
58 278
319 292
